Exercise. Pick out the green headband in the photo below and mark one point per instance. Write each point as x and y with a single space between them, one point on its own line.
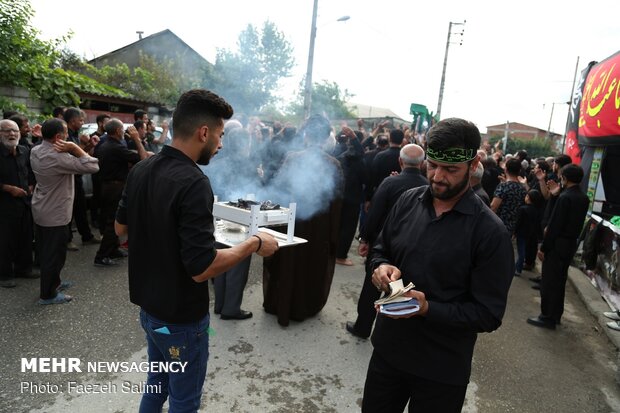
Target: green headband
451 155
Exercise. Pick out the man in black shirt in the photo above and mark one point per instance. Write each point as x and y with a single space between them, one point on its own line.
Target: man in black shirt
386 162
459 256
114 159
559 245
168 202
16 179
392 187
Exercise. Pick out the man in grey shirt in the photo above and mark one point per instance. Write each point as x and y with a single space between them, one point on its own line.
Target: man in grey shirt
54 163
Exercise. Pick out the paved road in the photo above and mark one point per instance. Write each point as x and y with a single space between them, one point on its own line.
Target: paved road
314 366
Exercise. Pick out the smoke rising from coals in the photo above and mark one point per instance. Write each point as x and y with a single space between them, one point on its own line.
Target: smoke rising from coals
308 177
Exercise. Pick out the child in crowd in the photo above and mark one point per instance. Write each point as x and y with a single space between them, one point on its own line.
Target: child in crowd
528 228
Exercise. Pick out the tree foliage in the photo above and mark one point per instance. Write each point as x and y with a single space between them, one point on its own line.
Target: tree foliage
33 64
327 98
249 77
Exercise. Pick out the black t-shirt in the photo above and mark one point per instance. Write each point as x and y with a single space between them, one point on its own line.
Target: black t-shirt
167 205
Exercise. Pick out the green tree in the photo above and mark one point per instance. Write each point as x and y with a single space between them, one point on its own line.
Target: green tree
29 62
327 98
249 77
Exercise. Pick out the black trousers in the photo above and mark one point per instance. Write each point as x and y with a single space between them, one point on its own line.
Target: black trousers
95 203
366 312
387 390
15 245
110 196
52 244
349 215
531 249
554 275
80 211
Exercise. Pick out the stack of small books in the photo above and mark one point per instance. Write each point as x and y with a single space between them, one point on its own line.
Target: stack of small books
395 303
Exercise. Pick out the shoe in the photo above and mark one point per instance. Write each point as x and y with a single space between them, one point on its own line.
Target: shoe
351 329
64 285
344 261
96 239
541 322
8 283
31 274
614 325
105 262
72 246
242 315
119 253
59 299
614 315
536 287
536 279
517 274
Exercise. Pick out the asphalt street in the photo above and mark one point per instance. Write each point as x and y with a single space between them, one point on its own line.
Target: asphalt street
314 366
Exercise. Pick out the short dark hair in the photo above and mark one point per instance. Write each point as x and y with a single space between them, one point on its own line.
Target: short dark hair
58 110
316 129
542 164
382 141
139 124
573 173
19 119
513 166
7 114
138 114
52 127
453 133
521 155
396 136
563 160
536 198
72 113
101 117
197 107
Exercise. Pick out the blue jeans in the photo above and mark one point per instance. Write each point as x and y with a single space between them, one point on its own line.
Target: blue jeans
520 254
185 343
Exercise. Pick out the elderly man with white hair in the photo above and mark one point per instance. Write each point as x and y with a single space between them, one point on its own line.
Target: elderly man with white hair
16 179
475 181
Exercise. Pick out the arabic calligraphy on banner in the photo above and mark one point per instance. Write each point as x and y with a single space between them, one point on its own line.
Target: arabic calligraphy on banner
600 107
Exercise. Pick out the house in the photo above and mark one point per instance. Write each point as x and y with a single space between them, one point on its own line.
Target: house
162 46
520 131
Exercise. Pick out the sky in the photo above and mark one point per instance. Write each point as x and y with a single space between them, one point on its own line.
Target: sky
517 58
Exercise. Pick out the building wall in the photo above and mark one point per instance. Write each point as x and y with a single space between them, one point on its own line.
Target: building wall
22 96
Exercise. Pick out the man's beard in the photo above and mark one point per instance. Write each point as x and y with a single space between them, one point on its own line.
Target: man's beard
10 144
205 156
451 191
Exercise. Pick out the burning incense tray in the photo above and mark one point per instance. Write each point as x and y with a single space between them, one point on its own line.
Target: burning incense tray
259 215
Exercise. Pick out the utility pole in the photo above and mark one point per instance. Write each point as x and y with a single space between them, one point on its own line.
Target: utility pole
445 64
308 86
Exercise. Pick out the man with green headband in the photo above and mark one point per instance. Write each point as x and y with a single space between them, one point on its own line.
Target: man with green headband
458 254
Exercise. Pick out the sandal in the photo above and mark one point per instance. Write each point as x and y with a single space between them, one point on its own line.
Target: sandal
64 285
59 299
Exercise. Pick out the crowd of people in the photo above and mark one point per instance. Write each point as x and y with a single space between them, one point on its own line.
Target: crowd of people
439 210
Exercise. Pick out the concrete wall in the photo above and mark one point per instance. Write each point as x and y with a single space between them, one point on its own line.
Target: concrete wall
22 96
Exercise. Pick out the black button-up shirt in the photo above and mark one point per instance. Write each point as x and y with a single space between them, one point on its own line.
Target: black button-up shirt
167 205
15 171
463 262
114 159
